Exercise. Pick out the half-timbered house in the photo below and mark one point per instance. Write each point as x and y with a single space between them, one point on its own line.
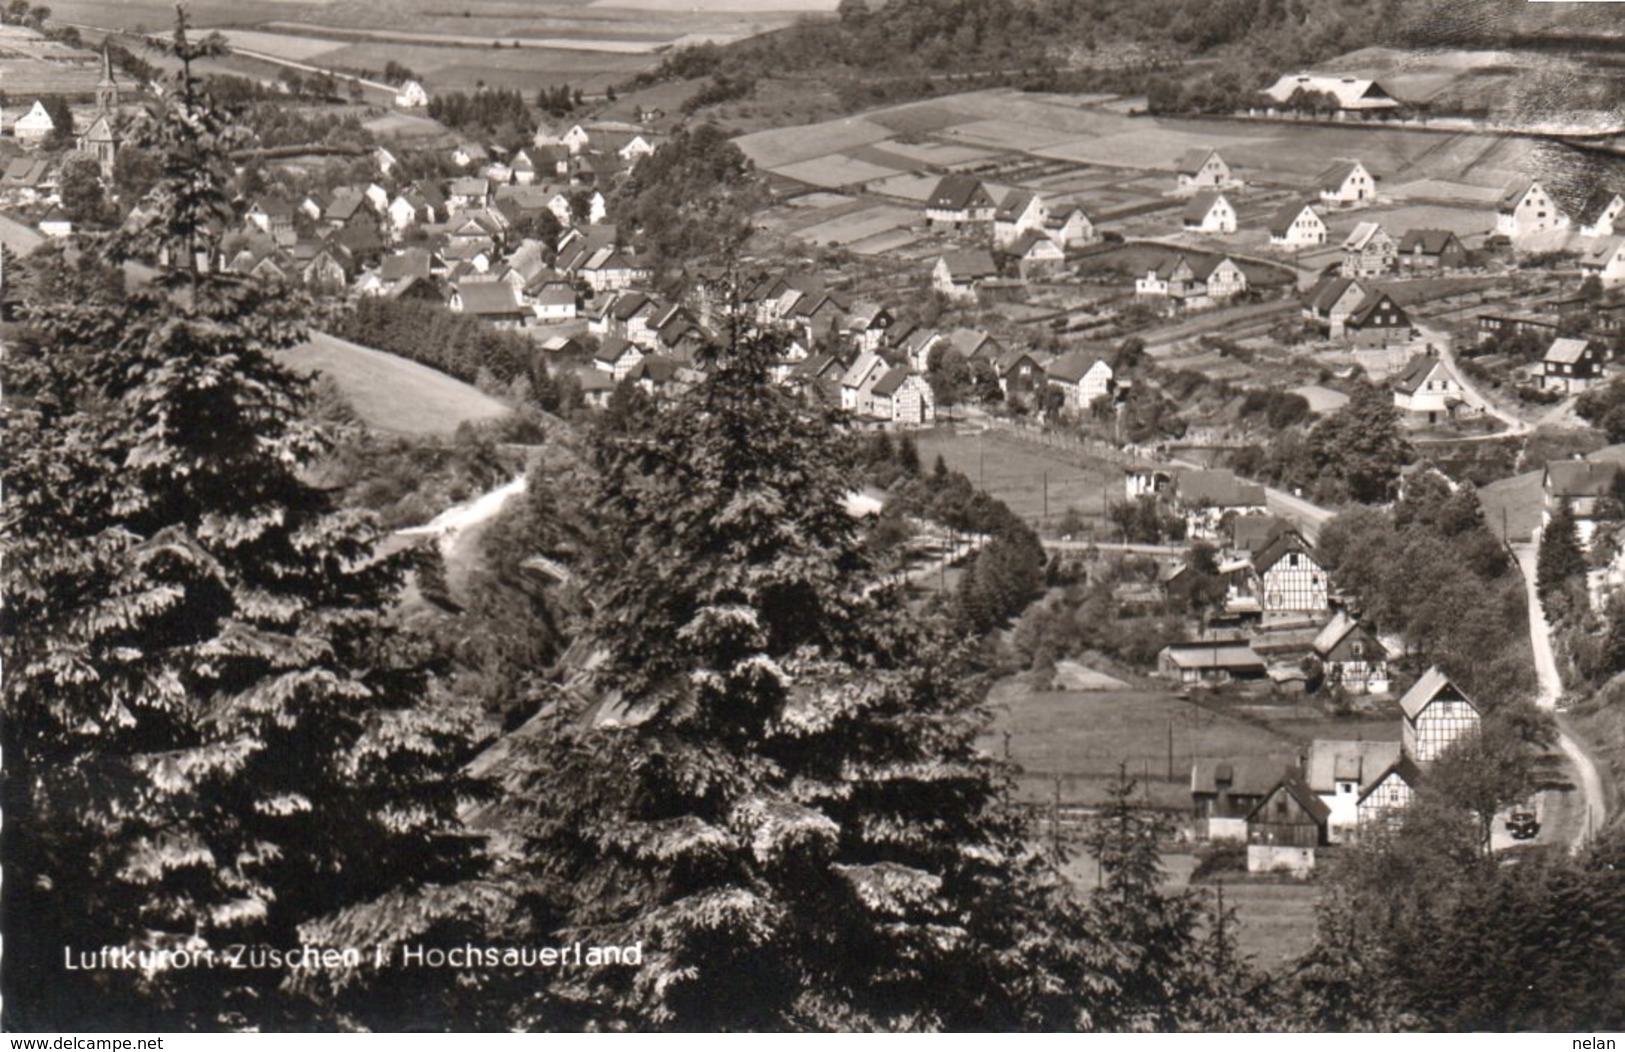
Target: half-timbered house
1437 714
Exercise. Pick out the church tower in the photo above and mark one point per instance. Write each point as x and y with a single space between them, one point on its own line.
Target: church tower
107 87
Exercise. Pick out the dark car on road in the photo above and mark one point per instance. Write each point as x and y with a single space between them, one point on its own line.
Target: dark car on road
1522 825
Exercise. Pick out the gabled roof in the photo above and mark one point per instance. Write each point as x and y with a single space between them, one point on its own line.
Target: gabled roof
887 385
1329 290
1580 478
958 192
1404 767
470 186
1218 488
866 363
1566 350
1015 203
1280 223
1361 762
1027 242
1424 690
1281 545
971 263
1352 93
613 348
1360 315
1516 193
1338 629
971 342
1334 177
488 298
1246 775
1201 204
1236 655
1361 236
345 203
1072 366
1292 784
1250 533
1416 373
1428 242
1191 161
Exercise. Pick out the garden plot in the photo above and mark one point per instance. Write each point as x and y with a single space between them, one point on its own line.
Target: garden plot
778 147
893 242
1461 221
936 154
909 187
886 158
858 225
820 199
1443 190
833 170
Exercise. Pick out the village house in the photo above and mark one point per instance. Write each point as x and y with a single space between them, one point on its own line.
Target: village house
1430 250
1340 773
1021 372
1368 252
858 382
1354 96
1297 225
616 357
1570 366
1201 169
555 301
1285 828
273 216
468 153
1329 304
1193 281
902 399
1525 210
56 223
1224 793
411 96
1021 211
635 149
1207 495
1606 262
25 178
1210 662
1427 391
1589 488
1292 585
867 324
1209 212
975 343
1437 715
1378 321
1347 183
1082 377
959 200
1352 658
961 275
492 302
1147 480
1494 325
1070 227
1035 255
33 127
1604 219
1386 797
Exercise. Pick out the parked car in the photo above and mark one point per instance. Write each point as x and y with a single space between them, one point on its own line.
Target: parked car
1522 825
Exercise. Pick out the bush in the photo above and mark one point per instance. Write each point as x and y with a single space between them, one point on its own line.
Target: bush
1219 856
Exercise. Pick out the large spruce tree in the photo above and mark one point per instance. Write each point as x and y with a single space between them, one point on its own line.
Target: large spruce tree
771 780
212 737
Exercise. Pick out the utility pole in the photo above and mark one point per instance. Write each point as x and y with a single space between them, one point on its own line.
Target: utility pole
1170 748
1046 498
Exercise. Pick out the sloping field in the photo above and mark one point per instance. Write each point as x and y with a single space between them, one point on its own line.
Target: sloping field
832 171
857 226
781 146
390 393
281 45
1148 146
1007 134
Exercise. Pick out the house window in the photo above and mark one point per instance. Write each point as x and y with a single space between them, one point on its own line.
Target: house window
1292 560
1358 649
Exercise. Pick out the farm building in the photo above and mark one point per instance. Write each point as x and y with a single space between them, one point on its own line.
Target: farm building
1352 95
1207 495
616 357
1340 772
1347 183
1570 365
1329 304
1070 227
1201 169
1526 209
903 399
1285 828
974 343
490 301
1224 793
1437 714
1602 221
1352 658
1587 487
1297 225
961 275
1035 255
1428 391
1209 212
1368 252
1292 585
1421 250
1210 662
959 200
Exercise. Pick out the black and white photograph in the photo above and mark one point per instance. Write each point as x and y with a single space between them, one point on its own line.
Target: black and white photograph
817 516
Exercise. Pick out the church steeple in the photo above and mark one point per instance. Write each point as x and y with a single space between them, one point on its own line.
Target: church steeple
107 87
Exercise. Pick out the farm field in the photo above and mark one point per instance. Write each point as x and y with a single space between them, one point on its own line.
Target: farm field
390 393
1016 473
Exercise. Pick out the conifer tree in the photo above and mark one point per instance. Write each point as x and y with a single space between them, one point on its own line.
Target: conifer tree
1560 560
773 783
211 735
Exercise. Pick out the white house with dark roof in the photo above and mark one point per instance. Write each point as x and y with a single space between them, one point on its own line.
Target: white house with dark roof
1020 211
960 275
1606 262
411 96
1082 377
859 378
1331 301
1369 251
1351 656
1526 209
1341 772
1437 715
1347 183
1070 226
958 200
902 399
1427 391
1035 255
1296 224
1209 212
1193 281
1603 221
1201 169
1207 495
